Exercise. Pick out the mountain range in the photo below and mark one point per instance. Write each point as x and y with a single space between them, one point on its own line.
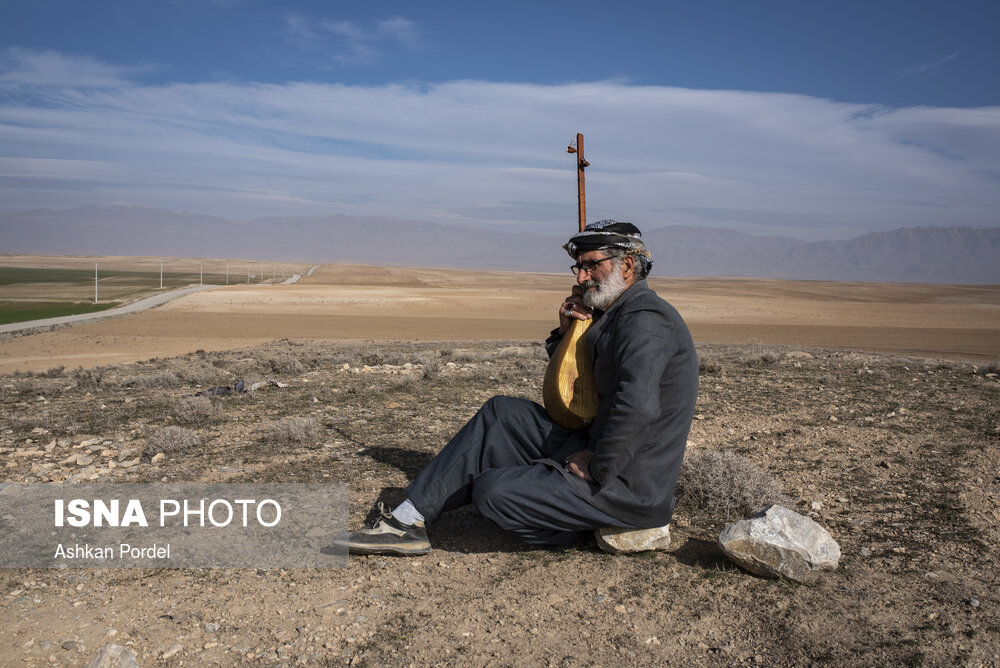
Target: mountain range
908 254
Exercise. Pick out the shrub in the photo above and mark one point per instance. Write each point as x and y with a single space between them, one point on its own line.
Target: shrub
725 484
162 379
88 379
372 358
284 364
991 367
194 410
708 365
198 374
172 439
27 386
471 356
292 430
430 363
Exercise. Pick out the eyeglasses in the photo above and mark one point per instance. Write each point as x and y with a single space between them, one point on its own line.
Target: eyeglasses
588 265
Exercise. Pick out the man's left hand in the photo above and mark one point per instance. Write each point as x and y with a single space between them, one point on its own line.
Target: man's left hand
579 464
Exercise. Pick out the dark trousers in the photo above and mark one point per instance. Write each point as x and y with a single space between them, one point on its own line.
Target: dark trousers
508 461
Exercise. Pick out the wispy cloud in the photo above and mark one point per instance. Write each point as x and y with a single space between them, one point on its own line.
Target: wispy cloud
926 70
49 68
352 43
475 152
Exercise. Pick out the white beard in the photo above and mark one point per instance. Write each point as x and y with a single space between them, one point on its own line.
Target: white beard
604 293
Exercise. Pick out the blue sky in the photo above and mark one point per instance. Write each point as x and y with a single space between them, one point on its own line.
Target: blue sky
805 119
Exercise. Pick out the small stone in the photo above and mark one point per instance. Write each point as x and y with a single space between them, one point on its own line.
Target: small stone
816 505
864 552
69 645
158 457
84 460
171 651
624 541
973 602
621 608
211 627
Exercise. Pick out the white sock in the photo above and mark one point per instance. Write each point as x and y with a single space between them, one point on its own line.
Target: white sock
407 513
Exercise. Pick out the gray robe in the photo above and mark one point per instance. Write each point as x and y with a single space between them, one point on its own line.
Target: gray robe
646 371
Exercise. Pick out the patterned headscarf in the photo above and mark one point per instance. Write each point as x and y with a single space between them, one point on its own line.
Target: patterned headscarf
612 234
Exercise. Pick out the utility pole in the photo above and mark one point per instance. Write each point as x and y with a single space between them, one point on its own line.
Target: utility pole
581 191
201 273
95 283
227 273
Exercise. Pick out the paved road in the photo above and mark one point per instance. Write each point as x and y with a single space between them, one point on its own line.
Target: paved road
134 307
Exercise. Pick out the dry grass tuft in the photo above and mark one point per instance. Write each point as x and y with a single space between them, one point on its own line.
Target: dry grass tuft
292 430
172 439
282 364
196 411
725 485
991 367
430 362
164 379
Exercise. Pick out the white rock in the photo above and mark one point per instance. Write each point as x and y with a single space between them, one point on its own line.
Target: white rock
623 541
114 656
778 542
157 458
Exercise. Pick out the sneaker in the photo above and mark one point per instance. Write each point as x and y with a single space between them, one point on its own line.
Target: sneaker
387 535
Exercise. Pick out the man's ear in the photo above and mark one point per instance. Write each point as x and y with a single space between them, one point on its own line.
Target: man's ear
628 267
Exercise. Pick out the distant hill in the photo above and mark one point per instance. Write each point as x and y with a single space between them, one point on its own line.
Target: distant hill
917 254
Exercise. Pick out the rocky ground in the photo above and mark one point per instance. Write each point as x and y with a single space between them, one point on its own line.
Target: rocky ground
896 457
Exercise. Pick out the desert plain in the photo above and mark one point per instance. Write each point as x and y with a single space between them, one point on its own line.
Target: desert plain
874 408
358 303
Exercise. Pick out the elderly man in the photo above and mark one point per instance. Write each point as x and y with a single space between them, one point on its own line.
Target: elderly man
549 485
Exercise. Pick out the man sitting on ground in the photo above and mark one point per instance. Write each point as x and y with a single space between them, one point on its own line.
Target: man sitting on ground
552 486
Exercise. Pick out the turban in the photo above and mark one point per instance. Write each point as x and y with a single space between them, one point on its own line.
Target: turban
608 235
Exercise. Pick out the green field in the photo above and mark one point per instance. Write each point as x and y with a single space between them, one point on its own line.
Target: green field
15 275
142 281
24 311
30 293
